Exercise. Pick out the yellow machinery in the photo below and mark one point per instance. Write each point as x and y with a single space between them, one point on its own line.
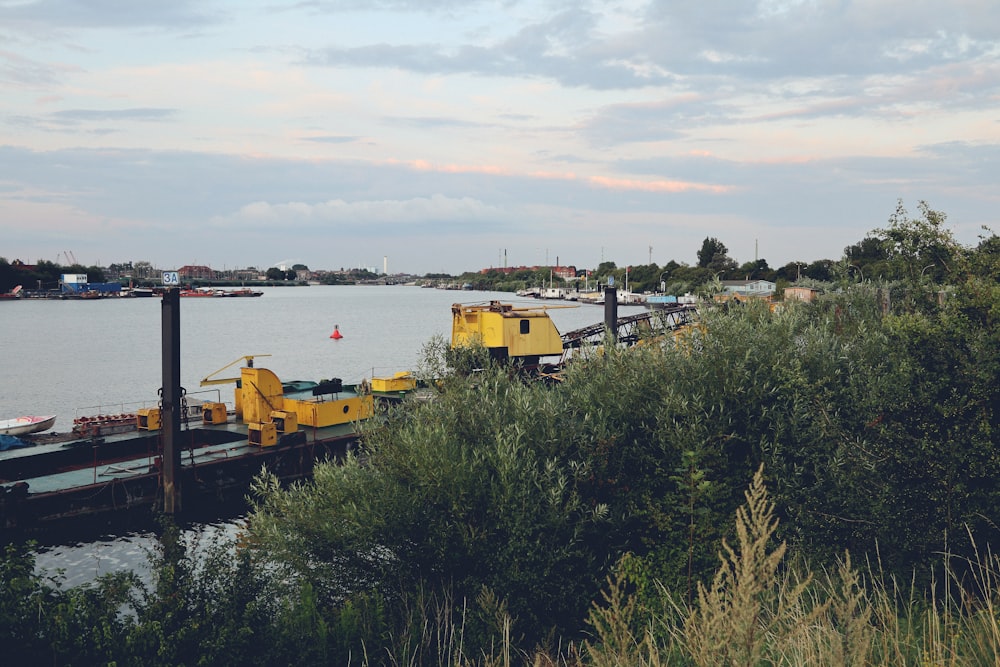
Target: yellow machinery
261 404
284 421
148 419
507 332
260 394
213 413
403 381
263 434
209 380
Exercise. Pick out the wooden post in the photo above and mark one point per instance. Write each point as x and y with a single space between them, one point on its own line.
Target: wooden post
170 416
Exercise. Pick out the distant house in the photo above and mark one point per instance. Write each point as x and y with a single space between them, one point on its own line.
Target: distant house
749 288
565 272
806 294
196 273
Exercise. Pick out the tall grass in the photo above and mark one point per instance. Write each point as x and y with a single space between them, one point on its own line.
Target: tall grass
760 610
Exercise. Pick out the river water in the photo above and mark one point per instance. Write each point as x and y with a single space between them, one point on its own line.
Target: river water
85 357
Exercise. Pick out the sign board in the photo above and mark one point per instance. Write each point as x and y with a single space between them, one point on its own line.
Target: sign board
611 281
171 278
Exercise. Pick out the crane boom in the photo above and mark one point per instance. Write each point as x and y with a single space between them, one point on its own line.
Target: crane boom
209 380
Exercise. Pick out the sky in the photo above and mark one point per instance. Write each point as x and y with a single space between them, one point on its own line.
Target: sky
430 136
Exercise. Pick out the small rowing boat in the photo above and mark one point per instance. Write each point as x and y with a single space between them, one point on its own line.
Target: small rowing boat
25 425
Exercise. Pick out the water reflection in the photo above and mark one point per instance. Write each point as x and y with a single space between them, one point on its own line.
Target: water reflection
82 562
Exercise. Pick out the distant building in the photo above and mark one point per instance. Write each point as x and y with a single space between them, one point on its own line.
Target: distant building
748 288
564 272
806 294
196 273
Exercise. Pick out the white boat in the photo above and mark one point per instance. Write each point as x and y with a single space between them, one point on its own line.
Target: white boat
25 425
627 298
596 298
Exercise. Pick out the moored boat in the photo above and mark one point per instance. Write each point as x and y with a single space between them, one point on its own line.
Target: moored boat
660 301
27 424
243 291
13 294
198 292
104 468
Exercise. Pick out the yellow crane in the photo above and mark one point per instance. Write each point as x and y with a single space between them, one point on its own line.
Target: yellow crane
209 380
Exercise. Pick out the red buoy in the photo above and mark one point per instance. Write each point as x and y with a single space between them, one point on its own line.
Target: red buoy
336 335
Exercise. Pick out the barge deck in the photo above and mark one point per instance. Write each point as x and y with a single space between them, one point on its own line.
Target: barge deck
43 487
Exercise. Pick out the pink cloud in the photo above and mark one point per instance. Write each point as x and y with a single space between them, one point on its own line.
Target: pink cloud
605 182
655 186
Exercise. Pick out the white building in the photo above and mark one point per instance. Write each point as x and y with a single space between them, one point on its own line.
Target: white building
754 288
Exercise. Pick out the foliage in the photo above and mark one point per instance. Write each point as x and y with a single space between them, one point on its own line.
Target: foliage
455 497
712 252
736 621
44 275
913 246
760 609
40 622
533 492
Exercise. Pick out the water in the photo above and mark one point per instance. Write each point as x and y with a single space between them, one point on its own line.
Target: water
75 358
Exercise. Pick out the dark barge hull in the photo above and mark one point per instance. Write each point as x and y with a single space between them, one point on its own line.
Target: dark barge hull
120 475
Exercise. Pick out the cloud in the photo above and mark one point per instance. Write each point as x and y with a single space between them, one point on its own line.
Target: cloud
337 6
563 48
420 212
76 116
818 58
656 185
107 13
93 121
22 72
332 139
663 120
430 123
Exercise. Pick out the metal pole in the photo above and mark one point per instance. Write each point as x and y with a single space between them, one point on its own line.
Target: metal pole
170 416
611 312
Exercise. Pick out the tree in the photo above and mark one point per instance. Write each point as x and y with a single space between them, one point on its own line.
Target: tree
758 270
821 269
984 259
274 273
915 246
710 248
869 249
714 256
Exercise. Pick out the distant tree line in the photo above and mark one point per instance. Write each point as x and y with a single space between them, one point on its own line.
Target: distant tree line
45 275
884 255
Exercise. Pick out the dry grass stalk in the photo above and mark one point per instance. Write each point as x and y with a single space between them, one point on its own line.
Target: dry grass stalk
612 623
748 611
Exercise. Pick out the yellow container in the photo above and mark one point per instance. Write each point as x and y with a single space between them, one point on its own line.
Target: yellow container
399 382
263 434
317 414
284 421
213 413
148 419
